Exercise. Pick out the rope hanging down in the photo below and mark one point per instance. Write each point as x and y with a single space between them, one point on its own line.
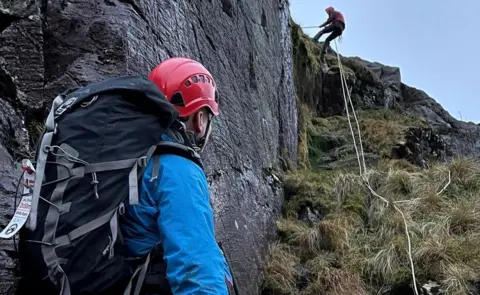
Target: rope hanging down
363 168
363 165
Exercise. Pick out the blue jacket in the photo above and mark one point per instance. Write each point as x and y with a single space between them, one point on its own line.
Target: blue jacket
175 210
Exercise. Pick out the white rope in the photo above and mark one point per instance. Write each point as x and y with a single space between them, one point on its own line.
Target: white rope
448 183
438 193
342 78
363 173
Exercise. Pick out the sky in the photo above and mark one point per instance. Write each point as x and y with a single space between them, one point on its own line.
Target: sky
435 43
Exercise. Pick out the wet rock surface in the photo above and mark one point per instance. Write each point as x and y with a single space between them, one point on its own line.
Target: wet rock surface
47 47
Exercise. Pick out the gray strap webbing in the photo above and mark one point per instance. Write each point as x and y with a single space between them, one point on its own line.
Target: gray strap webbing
156 165
112 165
142 268
133 185
121 211
143 274
39 169
133 177
128 289
86 228
65 290
51 220
114 231
65 207
41 162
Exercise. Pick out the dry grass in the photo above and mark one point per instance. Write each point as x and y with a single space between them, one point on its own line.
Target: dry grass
356 244
304 126
280 273
359 244
381 130
307 189
334 281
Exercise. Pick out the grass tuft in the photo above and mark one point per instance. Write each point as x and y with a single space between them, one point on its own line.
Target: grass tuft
280 270
357 244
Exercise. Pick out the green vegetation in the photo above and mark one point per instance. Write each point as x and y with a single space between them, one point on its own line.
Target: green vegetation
380 130
359 244
336 237
35 129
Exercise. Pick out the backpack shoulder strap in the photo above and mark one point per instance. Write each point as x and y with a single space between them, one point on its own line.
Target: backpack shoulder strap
179 149
181 145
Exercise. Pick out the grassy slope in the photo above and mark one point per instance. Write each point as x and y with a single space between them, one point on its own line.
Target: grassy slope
359 246
361 243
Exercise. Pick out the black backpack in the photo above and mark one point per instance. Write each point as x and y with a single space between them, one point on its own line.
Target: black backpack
97 141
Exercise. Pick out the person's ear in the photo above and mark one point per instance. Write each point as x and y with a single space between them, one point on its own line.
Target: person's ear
198 122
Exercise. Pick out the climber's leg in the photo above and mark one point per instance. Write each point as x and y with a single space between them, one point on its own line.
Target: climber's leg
332 36
337 30
317 36
327 29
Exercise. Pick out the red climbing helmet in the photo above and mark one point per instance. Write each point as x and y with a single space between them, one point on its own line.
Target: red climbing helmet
329 9
187 84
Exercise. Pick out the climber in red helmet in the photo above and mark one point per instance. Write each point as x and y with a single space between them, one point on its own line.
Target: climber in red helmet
174 213
336 25
190 87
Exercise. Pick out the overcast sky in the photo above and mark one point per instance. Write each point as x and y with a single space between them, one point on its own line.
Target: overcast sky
436 43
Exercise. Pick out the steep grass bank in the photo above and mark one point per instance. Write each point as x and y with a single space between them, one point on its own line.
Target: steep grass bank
336 238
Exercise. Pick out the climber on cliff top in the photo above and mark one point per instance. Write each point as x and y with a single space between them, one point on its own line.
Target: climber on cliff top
175 210
336 25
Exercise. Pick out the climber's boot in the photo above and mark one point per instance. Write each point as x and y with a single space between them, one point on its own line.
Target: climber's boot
317 37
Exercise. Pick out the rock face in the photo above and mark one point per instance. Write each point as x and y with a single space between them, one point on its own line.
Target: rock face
421 144
48 46
375 86
461 138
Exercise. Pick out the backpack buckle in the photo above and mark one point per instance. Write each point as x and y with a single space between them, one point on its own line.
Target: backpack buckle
65 106
142 161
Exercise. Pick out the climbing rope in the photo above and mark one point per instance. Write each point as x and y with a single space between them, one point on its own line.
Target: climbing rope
361 161
363 168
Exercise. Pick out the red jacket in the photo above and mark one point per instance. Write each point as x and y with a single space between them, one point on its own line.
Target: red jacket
336 16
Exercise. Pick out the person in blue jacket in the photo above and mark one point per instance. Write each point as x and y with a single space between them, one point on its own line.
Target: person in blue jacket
174 211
